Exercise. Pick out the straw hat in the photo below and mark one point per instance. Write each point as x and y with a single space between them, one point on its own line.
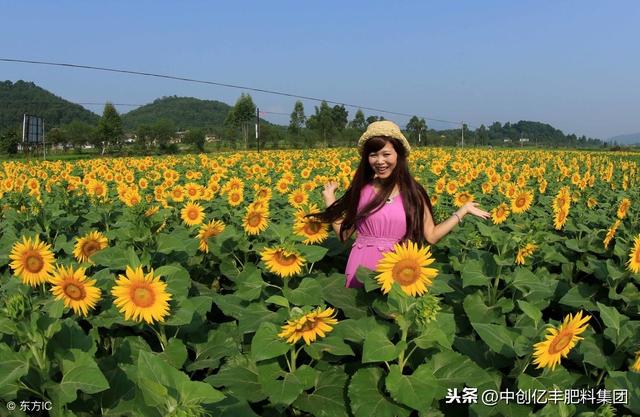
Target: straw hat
383 128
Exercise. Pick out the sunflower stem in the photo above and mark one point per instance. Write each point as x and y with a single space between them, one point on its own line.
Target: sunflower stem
600 377
294 357
310 268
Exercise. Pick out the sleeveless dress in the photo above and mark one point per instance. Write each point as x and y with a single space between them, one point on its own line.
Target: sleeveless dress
376 234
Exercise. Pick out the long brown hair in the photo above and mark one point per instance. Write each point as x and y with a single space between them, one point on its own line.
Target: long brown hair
414 195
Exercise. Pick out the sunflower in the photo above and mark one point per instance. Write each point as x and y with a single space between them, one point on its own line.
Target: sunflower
500 214
298 197
309 227
308 327
633 264
235 197
406 265
32 261
282 262
592 202
562 200
192 214
141 297
525 251
560 218
462 198
98 189
78 292
451 187
559 342
611 233
209 230
89 244
622 208
521 201
255 221
636 364
177 193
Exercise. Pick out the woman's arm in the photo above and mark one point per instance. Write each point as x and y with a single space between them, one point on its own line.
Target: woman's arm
433 233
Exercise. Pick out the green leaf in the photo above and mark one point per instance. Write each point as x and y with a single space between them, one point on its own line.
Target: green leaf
240 380
441 331
416 390
473 274
531 310
366 396
629 381
266 344
177 279
580 296
328 397
610 316
154 394
152 366
351 301
534 287
179 240
175 353
452 369
368 278
499 338
377 347
312 253
333 344
249 283
278 300
284 391
80 373
13 366
113 257
309 292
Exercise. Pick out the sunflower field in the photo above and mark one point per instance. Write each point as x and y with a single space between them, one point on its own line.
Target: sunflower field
196 286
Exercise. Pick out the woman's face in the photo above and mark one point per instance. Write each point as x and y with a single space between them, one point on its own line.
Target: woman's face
384 161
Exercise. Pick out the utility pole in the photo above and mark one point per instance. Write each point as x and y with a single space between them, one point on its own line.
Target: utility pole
462 130
258 127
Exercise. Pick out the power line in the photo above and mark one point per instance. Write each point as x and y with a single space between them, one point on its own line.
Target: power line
260 90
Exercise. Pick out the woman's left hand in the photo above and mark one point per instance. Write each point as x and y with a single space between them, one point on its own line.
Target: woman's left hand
472 208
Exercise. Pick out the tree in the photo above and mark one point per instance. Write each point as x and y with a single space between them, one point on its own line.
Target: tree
110 128
482 135
358 121
163 131
297 118
195 137
242 115
9 142
322 122
79 133
416 129
340 117
144 136
372 119
56 136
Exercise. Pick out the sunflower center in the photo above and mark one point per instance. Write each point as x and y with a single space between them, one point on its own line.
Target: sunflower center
254 219
311 228
192 214
298 199
285 260
308 325
500 212
75 291
142 296
520 202
33 262
560 342
90 248
405 272
235 197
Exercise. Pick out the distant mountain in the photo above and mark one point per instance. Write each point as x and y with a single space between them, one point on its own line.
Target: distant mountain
21 97
185 112
630 139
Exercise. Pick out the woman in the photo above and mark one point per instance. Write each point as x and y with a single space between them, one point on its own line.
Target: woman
384 203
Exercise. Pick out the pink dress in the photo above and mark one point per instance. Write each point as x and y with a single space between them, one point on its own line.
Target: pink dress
376 234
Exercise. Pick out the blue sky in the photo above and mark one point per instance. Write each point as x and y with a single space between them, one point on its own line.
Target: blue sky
572 64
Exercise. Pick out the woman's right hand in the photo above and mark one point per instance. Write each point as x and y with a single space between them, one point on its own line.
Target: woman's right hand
329 189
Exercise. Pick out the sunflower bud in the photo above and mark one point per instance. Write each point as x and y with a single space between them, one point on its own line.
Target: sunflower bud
427 308
17 306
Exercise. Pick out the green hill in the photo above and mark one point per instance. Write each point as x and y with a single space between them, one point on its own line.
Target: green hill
21 97
185 112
